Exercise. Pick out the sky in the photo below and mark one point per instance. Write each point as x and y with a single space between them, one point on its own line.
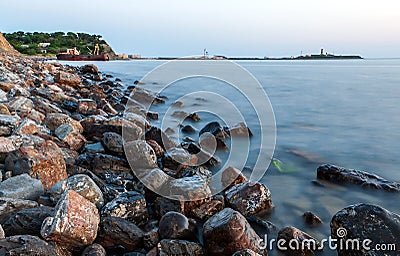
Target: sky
272 28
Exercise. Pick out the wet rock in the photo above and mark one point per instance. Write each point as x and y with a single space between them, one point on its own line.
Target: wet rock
55 120
67 134
71 106
90 69
202 155
231 177
113 142
240 129
249 198
210 143
74 224
154 179
160 137
87 106
138 120
168 247
175 225
27 126
177 157
29 245
103 162
96 126
83 185
290 234
207 210
20 104
94 250
44 161
246 252
119 232
10 206
152 115
157 148
178 103
311 219
27 221
192 188
194 117
140 154
130 206
228 232
163 205
21 187
188 129
350 176
366 221
215 129
6 147
67 79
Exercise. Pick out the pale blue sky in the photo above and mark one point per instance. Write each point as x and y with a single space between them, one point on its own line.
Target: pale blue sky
227 27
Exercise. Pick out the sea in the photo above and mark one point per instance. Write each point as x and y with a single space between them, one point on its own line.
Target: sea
342 112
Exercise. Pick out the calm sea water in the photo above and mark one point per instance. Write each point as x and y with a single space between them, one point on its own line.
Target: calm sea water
339 112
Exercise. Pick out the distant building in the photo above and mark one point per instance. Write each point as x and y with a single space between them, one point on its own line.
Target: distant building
123 56
24 46
135 56
43 45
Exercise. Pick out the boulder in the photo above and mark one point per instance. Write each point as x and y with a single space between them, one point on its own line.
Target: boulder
113 142
296 242
130 206
157 148
27 126
240 129
10 206
55 120
163 205
67 134
350 176
228 232
366 221
8 124
44 161
69 79
207 210
29 246
167 247
311 219
104 162
21 187
215 129
94 250
249 198
153 179
6 147
27 221
177 157
90 69
83 185
192 188
160 137
175 225
119 232
231 177
74 224
87 106
188 129
140 154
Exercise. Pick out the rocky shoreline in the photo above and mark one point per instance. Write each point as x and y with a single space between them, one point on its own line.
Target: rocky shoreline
68 189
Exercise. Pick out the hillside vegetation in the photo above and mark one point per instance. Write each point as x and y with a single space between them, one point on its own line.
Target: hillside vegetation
28 43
